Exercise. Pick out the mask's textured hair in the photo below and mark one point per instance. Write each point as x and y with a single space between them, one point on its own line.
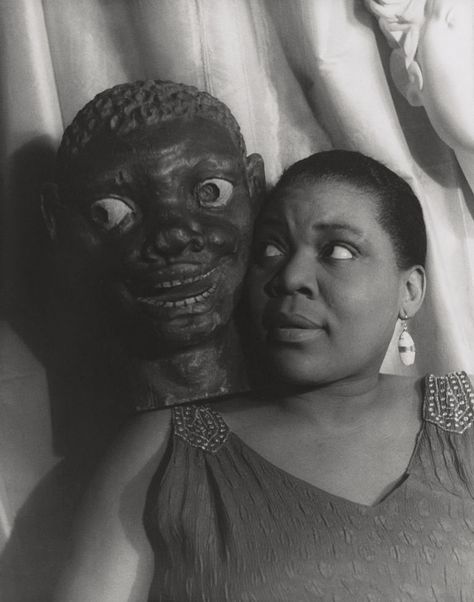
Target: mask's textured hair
399 210
126 107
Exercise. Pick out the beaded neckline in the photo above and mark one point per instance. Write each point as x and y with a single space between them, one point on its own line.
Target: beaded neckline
448 402
200 426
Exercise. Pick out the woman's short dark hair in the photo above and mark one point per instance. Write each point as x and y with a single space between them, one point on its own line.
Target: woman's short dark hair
400 213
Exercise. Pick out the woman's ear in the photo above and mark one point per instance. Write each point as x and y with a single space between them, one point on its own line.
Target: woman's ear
256 179
50 205
414 290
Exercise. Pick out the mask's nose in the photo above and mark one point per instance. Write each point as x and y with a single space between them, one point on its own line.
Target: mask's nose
174 239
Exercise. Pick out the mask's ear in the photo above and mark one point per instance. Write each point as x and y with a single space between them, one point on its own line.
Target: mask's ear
50 206
256 178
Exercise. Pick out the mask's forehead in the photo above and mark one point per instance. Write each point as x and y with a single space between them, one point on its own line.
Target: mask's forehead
130 106
199 138
200 133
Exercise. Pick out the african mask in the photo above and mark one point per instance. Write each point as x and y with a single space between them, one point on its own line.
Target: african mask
154 210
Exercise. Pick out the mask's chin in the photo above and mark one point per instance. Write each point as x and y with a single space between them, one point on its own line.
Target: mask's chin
155 335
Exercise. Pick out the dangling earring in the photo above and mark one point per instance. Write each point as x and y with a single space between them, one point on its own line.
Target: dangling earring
406 344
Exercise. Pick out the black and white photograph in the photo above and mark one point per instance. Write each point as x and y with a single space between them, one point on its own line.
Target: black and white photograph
237 301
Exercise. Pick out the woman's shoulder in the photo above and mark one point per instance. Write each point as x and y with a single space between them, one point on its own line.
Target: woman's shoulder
246 413
446 446
449 401
142 438
446 400
111 558
133 456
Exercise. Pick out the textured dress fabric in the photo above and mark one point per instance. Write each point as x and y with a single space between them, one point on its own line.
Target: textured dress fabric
226 525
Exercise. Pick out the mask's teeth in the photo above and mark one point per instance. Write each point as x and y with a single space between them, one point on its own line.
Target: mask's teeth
190 280
180 302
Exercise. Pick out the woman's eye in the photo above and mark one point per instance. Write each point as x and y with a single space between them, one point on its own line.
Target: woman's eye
340 252
109 213
214 192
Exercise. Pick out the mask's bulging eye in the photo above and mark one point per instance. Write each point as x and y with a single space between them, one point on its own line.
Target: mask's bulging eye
270 250
214 192
109 213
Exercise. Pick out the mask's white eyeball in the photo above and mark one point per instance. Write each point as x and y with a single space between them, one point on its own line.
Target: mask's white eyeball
111 212
270 250
214 192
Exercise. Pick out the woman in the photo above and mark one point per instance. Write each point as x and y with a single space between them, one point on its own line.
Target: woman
339 483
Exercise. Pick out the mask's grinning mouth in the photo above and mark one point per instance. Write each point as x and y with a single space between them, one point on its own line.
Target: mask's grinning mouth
180 302
183 281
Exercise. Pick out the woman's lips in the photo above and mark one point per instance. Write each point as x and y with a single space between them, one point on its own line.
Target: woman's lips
293 335
291 328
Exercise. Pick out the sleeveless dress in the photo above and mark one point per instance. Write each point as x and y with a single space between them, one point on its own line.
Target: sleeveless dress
226 525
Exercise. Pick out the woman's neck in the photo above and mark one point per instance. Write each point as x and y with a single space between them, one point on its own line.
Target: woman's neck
342 404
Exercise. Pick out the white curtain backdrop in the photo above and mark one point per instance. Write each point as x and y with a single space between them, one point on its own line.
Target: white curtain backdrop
299 75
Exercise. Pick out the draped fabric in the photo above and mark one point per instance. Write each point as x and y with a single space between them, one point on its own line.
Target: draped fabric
300 76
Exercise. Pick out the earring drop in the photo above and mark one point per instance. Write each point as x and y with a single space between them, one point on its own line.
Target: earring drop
406 344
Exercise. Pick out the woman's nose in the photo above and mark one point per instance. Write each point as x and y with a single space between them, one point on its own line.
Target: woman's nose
298 275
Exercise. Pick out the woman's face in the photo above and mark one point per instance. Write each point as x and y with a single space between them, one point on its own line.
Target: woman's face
325 288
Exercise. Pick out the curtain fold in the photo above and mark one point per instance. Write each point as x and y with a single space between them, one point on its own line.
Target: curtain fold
30 118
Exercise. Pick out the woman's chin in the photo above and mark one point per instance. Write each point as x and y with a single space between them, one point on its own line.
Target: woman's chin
296 371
